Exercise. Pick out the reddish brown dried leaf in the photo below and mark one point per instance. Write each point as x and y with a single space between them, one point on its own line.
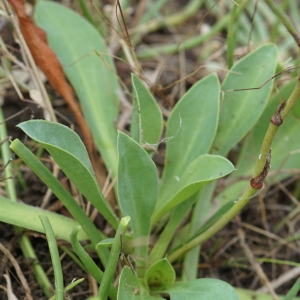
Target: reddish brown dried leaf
48 62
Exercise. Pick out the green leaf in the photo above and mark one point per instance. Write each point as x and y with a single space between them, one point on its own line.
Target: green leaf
66 148
206 289
89 263
58 274
240 110
131 288
27 216
285 154
110 269
190 131
201 171
137 189
147 122
169 230
160 276
74 40
62 194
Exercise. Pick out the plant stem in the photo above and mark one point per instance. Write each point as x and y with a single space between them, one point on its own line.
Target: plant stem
230 37
285 20
249 193
187 44
24 241
56 264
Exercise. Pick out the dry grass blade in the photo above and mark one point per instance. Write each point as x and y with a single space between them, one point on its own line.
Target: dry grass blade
18 271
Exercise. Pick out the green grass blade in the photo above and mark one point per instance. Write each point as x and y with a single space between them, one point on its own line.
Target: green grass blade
58 274
70 154
74 39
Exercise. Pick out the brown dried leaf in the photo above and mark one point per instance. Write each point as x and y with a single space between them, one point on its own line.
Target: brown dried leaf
48 62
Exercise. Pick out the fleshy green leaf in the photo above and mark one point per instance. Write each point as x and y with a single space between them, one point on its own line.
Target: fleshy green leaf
131 288
201 171
26 216
206 289
68 151
74 40
240 110
137 188
160 276
147 121
190 131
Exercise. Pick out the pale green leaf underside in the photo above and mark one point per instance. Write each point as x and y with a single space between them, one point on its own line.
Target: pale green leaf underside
240 110
149 122
74 39
201 171
137 184
68 151
206 288
190 130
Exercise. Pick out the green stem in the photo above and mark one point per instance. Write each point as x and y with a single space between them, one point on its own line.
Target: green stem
24 241
187 44
285 20
188 11
230 37
249 193
110 269
89 264
58 274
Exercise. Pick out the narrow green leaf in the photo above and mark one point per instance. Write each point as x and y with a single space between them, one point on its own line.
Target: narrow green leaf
47 177
137 188
27 216
240 110
88 262
58 274
190 131
74 40
160 276
201 171
206 289
165 237
147 121
110 269
131 288
68 151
